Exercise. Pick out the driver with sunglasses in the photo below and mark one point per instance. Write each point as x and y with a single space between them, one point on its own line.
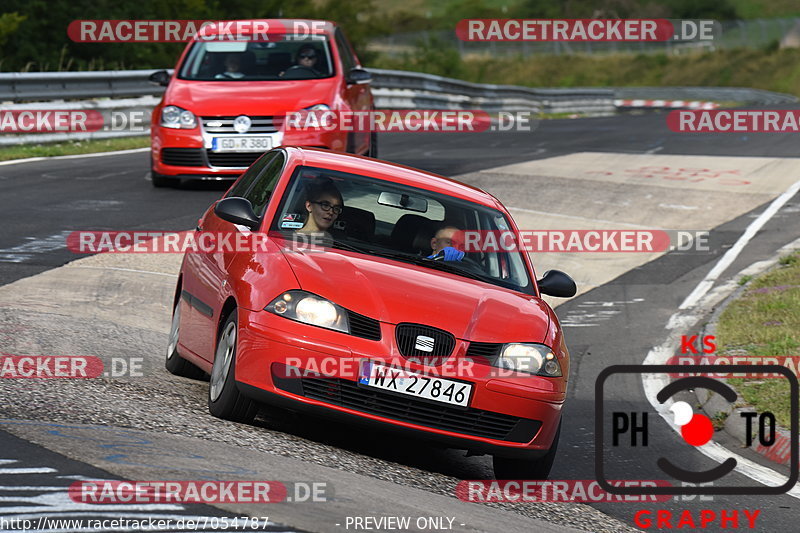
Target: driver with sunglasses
305 60
307 57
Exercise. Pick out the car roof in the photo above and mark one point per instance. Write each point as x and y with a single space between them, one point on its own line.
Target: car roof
311 26
365 166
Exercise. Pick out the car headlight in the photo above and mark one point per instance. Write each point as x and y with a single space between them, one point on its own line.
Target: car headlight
309 308
323 114
530 358
176 117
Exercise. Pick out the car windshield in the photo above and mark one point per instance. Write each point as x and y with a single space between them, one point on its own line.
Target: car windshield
385 219
291 58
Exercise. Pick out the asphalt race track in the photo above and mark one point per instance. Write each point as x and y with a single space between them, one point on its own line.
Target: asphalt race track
616 172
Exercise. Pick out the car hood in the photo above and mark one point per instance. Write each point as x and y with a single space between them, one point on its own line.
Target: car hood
220 98
395 292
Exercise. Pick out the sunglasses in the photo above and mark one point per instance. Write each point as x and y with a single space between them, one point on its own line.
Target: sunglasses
308 56
327 207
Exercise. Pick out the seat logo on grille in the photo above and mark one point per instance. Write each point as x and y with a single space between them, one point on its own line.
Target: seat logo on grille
424 344
242 124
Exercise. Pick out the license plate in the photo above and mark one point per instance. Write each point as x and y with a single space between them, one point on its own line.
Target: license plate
409 383
241 144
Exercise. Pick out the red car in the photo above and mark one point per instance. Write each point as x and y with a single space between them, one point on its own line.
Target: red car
382 319
225 100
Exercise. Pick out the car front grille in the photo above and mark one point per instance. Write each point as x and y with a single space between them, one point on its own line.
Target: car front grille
363 326
427 345
183 157
483 352
232 159
224 125
474 422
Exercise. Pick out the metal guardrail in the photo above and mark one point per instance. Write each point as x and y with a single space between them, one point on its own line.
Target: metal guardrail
393 89
399 88
110 91
47 86
31 86
409 89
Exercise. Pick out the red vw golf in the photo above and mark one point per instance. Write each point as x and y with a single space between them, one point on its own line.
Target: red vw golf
352 297
224 103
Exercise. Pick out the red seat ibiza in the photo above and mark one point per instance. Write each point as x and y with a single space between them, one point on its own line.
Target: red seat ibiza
224 102
349 295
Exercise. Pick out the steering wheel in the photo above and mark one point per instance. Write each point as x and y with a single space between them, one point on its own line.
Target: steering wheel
472 263
300 71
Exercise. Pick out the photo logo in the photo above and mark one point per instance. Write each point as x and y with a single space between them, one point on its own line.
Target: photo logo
629 431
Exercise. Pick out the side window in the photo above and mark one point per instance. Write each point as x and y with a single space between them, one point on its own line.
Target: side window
346 53
267 179
241 187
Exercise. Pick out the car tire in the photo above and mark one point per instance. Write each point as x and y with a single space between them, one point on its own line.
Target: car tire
157 179
224 399
174 363
373 145
508 468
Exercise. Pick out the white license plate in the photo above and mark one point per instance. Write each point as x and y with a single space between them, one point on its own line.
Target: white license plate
241 144
412 384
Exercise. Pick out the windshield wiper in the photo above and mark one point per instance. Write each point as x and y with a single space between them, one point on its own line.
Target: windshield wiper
349 247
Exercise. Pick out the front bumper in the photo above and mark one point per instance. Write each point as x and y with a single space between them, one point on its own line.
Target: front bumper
510 416
185 153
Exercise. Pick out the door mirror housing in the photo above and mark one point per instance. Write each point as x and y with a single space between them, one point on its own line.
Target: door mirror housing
358 76
160 77
237 210
556 283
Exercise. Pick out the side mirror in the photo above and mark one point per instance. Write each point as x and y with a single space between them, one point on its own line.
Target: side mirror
237 211
160 77
556 283
358 76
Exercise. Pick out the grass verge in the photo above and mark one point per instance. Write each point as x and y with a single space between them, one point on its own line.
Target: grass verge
767 68
765 321
72 147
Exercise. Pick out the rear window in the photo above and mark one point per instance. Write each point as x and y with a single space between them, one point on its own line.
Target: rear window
293 58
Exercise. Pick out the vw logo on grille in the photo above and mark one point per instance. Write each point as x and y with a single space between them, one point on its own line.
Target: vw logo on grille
242 124
424 344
